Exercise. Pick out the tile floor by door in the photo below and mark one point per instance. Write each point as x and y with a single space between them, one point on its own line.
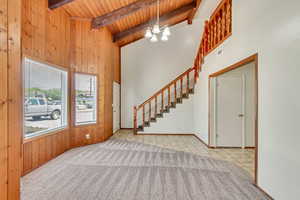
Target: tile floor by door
244 158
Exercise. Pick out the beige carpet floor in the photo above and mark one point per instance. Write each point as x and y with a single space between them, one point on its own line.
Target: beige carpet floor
124 170
244 158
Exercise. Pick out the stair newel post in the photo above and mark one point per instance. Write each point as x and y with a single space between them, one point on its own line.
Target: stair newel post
181 83
134 120
149 110
169 97
155 112
162 101
143 115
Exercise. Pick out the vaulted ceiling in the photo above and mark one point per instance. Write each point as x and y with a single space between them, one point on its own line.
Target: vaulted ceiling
128 19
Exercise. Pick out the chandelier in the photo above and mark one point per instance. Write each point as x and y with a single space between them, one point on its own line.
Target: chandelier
153 33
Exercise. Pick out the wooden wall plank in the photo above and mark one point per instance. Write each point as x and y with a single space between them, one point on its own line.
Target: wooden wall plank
117 64
27 152
15 98
3 97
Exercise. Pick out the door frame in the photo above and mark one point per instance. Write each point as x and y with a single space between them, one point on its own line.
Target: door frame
253 58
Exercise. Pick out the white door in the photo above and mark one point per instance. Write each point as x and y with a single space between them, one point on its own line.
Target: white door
229 110
116 106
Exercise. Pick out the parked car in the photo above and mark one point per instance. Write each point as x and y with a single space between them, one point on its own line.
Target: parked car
40 107
83 104
54 102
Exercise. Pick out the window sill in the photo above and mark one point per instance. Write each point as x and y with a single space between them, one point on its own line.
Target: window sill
46 134
86 124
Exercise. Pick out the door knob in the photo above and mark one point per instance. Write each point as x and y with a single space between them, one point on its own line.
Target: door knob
241 115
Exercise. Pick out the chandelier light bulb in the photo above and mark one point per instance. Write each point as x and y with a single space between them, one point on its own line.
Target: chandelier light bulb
156 29
164 38
148 33
154 38
167 31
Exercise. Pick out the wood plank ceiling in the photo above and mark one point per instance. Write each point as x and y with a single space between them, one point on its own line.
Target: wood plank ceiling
127 19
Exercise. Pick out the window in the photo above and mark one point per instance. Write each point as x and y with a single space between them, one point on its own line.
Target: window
45 98
33 102
42 102
85 99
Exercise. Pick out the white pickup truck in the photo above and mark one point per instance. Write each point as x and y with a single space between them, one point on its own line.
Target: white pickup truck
40 107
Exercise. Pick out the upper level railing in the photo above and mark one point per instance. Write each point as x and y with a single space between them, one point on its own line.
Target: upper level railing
217 29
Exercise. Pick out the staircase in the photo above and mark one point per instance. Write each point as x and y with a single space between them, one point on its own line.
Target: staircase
166 99
217 29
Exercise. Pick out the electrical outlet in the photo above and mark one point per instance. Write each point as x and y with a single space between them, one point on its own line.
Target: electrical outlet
88 136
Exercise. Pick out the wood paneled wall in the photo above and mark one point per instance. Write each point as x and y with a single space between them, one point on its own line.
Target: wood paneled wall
38 151
51 36
46 33
46 38
117 64
93 52
10 99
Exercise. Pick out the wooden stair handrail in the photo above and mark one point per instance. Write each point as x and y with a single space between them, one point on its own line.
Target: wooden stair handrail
166 87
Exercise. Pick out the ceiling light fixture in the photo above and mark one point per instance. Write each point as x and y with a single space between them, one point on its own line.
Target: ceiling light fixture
148 33
167 31
151 33
164 38
153 38
156 29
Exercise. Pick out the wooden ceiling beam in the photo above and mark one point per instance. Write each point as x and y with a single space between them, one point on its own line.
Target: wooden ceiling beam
163 19
194 11
118 14
52 4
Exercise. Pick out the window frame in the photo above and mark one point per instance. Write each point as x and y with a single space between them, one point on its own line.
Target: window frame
73 91
40 134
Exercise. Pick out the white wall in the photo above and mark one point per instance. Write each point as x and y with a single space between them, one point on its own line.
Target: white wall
270 28
176 121
147 67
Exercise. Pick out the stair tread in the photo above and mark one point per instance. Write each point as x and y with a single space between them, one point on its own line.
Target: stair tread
160 115
191 91
173 104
